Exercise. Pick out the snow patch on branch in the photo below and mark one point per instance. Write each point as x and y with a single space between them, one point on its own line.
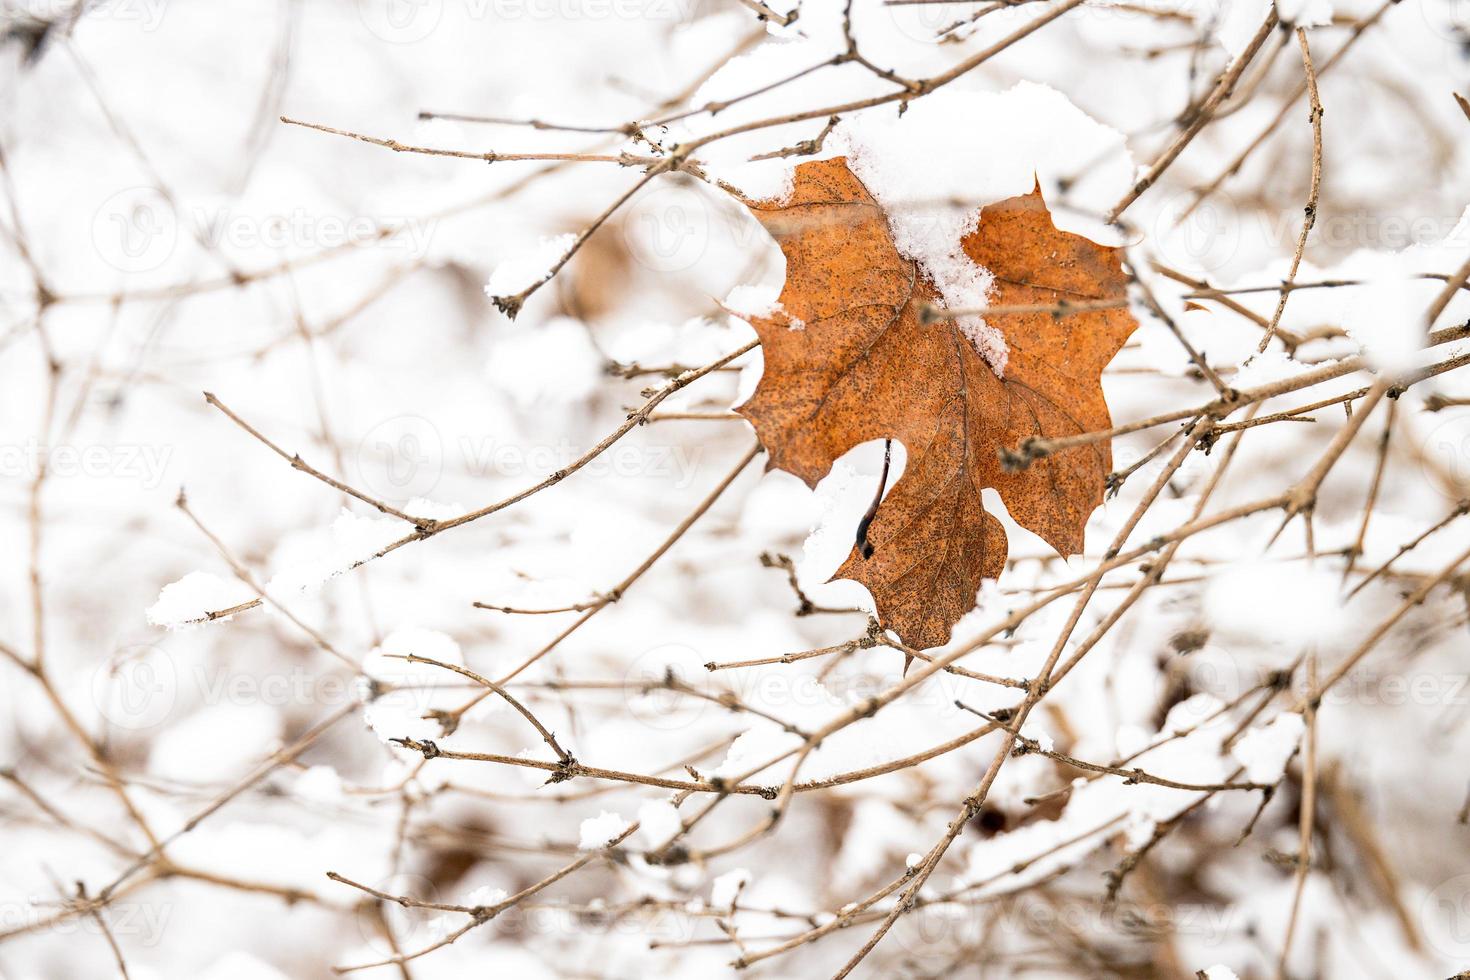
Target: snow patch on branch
188 603
600 831
1265 751
350 540
528 267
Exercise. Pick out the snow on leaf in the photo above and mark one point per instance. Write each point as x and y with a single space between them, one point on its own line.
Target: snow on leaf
868 366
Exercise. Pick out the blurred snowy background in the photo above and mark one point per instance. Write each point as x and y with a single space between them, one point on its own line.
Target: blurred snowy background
174 794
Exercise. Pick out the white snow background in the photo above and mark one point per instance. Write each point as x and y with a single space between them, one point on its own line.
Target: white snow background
337 297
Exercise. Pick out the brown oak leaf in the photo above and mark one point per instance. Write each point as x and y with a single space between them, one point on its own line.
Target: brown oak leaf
849 358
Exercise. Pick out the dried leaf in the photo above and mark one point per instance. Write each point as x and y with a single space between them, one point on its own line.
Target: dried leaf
849 358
